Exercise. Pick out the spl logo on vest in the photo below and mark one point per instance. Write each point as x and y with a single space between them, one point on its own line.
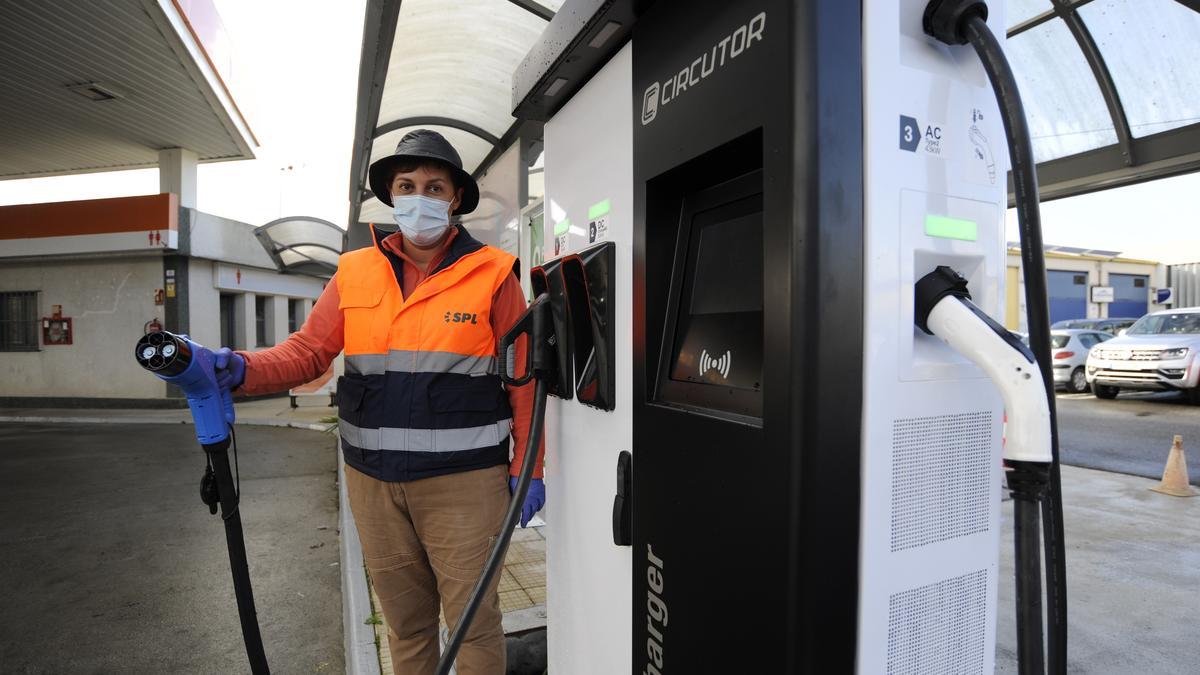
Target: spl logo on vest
461 317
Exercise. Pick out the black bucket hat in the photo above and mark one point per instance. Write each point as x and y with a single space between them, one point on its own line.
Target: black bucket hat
423 144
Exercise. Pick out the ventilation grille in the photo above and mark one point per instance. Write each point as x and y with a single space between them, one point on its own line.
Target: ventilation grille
939 629
941 468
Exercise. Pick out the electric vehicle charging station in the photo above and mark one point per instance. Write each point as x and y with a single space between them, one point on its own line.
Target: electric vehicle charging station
815 480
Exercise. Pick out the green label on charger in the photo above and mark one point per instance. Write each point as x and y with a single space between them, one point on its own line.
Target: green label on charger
599 209
951 228
562 227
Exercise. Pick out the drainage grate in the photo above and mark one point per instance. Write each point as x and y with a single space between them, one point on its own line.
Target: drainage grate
939 629
940 477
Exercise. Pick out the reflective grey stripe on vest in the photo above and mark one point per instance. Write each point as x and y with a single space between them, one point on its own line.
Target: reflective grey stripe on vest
409 361
424 440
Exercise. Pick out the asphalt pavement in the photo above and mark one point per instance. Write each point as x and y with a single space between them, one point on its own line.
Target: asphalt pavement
1129 434
109 562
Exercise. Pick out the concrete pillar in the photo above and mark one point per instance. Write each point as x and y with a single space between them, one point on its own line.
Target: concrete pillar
243 321
177 174
306 306
277 319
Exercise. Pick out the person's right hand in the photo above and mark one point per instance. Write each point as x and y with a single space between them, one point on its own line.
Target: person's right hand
230 368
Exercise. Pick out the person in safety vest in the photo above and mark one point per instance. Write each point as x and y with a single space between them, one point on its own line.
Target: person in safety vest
424 418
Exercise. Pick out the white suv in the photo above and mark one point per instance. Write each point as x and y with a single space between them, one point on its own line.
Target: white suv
1156 353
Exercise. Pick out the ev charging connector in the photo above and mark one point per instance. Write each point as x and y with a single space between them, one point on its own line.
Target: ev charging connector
944 309
179 361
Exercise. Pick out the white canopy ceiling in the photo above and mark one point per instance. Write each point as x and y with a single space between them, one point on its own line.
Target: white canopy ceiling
449 69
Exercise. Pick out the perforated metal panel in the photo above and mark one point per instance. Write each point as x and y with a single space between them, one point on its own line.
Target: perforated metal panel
939 629
940 471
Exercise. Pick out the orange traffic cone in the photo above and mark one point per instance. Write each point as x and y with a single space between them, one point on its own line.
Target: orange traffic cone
1175 475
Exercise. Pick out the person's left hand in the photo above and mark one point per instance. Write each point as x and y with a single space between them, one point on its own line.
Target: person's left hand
534 499
230 368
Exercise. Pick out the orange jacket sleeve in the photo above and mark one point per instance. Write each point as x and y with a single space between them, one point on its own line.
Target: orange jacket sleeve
303 356
507 306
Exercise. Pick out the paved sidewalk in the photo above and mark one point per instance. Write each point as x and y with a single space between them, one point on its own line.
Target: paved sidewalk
1133 577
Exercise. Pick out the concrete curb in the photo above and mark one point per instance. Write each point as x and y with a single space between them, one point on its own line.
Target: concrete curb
362 657
358 636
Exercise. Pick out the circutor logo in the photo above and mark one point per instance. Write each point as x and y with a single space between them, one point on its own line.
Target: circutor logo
702 66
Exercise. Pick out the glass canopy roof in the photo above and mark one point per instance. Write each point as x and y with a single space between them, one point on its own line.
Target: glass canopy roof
1111 87
1099 76
449 69
302 244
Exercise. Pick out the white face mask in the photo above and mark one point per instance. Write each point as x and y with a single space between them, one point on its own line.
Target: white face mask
423 220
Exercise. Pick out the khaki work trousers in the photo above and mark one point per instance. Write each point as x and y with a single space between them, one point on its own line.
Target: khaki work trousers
425 543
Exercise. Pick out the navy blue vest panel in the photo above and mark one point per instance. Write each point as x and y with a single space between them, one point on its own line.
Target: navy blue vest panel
399 466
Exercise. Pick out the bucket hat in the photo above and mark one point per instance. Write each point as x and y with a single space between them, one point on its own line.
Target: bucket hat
424 144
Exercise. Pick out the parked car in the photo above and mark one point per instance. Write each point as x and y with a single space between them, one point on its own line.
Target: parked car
1156 353
1111 326
1069 348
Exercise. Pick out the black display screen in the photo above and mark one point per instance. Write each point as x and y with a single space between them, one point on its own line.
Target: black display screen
719 328
713 345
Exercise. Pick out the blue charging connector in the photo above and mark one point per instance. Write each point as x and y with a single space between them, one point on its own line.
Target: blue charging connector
189 366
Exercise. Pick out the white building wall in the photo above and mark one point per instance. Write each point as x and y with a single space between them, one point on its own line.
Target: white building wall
109 302
204 304
277 319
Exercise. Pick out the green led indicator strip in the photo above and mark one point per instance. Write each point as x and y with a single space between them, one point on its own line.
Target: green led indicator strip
598 210
562 227
951 228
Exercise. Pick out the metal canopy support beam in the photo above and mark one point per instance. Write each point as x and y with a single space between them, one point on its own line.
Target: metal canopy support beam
1161 155
1031 23
517 130
1108 89
535 8
1059 7
290 247
433 120
379 33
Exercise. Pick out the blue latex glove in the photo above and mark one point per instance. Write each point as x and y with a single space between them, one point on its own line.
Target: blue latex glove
534 499
230 367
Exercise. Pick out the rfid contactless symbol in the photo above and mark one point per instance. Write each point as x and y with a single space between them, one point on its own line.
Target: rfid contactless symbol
720 364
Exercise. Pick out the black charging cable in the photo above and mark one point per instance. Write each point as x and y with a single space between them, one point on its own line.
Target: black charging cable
958 22
541 366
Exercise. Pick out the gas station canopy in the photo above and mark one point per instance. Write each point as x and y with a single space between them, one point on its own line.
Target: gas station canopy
445 66
97 86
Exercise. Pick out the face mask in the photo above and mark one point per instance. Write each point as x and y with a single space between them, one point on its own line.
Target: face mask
423 220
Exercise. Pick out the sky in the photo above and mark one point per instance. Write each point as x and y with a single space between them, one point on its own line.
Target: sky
296 69
296 80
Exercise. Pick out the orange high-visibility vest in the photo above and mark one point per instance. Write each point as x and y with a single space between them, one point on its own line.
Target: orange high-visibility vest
421 396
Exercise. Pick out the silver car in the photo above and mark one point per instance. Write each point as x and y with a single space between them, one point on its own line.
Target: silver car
1069 348
1158 353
